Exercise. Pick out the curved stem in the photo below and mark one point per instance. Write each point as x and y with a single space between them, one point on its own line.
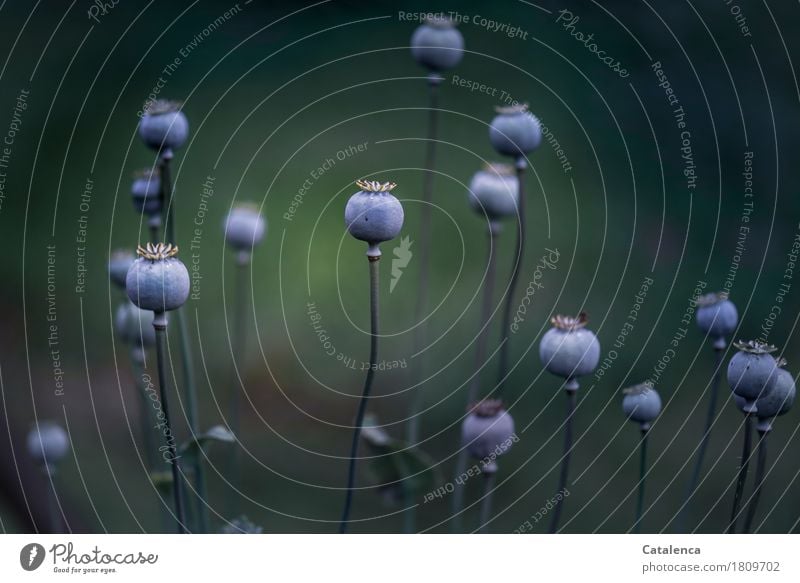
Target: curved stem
237 345
486 504
512 282
480 357
701 452
362 406
572 395
637 526
737 495
412 426
761 466
160 324
187 358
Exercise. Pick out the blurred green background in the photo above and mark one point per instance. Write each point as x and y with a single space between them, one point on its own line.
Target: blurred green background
276 90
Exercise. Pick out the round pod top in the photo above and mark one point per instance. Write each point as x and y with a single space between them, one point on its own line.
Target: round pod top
494 191
568 349
716 317
158 281
488 432
118 265
641 403
515 131
146 192
47 443
752 371
437 44
244 227
164 125
373 214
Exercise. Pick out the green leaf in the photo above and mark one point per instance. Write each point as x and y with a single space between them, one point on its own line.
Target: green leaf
397 468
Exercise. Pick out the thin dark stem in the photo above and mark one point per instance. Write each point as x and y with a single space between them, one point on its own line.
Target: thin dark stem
154 229
374 280
761 466
637 526
502 372
701 452
480 357
237 344
572 396
177 489
187 358
420 333
412 430
486 504
56 525
737 495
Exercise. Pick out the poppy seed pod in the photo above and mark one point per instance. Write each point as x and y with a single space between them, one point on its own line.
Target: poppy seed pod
134 326
779 400
515 131
146 192
568 349
244 227
121 260
158 281
48 443
373 214
437 45
641 403
495 191
717 317
752 371
488 432
163 125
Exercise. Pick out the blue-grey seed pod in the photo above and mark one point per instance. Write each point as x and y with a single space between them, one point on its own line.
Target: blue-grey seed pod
244 227
494 191
488 432
146 192
134 326
437 45
568 349
781 398
752 370
373 214
163 125
48 443
515 131
641 403
717 317
118 265
158 281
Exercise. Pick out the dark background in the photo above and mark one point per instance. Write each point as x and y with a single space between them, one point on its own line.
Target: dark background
280 87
